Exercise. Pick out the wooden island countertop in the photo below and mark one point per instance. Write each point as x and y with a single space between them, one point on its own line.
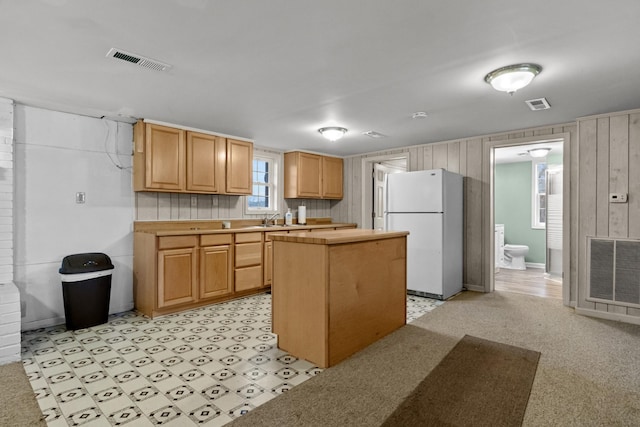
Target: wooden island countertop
336 292
338 236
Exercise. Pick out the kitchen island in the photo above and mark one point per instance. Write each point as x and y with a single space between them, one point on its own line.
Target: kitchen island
336 292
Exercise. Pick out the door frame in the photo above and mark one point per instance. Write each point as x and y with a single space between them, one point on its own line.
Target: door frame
365 172
489 214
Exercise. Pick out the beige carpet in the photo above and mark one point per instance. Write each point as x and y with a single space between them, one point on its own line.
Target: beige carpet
588 374
18 405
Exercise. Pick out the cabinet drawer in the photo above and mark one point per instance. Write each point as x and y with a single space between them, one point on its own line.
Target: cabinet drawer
215 239
249 237
248 278
248 254
170 242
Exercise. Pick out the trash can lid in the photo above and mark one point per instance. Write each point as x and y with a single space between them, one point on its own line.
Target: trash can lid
84 263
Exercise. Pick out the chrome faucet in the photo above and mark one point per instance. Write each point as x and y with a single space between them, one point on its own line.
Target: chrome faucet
267 218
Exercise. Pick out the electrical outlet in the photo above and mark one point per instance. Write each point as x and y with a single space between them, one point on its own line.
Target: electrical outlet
194 201
80 197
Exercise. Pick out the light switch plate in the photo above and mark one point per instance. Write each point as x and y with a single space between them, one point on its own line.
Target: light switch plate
80 197
618 197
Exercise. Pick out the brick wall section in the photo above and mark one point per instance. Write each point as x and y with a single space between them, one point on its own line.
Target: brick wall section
9 295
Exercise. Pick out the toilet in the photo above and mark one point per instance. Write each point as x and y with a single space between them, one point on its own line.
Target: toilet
514 257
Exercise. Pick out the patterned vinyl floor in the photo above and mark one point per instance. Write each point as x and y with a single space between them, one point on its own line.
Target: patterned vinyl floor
199 367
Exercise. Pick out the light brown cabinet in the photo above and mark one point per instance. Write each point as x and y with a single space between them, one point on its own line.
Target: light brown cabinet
168 159
239 167
164 163
248 261
173 273
177 271
216 265
205 162
336 293
332 171
268 263
312 176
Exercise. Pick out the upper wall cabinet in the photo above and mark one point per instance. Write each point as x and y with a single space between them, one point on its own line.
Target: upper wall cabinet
239 167
206 156
311 176
176 160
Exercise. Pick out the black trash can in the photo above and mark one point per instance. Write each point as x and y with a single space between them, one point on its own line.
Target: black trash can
86 289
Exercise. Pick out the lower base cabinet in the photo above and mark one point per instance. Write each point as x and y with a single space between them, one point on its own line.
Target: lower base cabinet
177 278
216 275
248 262
175 273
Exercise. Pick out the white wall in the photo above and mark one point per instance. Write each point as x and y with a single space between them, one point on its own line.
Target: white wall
9 295
56 155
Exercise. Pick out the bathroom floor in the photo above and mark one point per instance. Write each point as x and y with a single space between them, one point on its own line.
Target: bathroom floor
203 366
531 281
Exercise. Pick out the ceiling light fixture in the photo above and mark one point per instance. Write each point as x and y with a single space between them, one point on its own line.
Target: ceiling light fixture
512 77
332 133
539 152
419 115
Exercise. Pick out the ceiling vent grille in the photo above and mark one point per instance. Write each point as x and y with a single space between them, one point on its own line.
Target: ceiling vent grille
137 59
373 134
538 104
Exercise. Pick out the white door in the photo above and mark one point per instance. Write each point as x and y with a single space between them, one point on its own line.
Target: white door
424 249
379 181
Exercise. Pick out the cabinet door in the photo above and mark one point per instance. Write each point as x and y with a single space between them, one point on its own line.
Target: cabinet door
309 175
268 263
205 162
239 167
177 276
164 158
216 271
332 171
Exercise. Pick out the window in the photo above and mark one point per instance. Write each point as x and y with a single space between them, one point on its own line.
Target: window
539 202
264 196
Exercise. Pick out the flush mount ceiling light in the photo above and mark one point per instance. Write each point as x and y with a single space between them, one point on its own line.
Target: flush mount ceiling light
512 77
332 133
419 115
539 152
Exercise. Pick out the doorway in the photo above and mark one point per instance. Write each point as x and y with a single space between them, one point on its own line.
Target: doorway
527 203
374 189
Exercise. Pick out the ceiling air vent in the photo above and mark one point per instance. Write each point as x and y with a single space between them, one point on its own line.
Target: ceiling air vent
137 59
538 104
373 134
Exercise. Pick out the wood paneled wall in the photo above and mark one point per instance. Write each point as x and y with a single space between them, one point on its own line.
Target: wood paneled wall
609 162
470 158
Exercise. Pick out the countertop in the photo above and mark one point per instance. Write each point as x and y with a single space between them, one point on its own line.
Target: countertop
245 229
338 236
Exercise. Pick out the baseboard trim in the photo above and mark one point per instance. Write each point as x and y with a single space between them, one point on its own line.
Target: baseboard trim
608 316
55 321
474 288
534 265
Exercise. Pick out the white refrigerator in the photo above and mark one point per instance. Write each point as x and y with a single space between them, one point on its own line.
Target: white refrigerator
428 204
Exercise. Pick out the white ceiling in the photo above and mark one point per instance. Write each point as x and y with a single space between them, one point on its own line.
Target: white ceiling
275 71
